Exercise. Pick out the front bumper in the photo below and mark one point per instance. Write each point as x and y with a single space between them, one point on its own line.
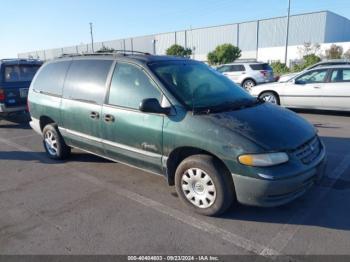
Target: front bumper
5 110
270 193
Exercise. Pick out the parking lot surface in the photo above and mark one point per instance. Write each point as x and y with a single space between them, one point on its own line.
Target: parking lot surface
88 205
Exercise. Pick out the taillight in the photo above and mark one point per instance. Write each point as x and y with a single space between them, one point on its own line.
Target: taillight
264 73
2 95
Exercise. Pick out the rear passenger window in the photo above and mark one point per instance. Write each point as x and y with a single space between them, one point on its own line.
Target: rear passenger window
340 75
86 80
130 85
237 68
51 78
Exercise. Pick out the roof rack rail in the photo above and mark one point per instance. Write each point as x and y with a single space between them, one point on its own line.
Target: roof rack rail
125 52
246 60
115 52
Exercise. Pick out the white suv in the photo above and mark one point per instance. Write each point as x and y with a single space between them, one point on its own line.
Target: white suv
248 74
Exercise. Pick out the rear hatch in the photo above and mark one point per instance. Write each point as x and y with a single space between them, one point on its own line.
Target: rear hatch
15 82
15 93
265 70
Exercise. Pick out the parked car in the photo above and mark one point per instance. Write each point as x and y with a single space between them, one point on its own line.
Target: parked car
15 78
324 88
248 74
333 62
181 119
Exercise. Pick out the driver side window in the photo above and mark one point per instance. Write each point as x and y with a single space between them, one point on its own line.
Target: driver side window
130 85
315 76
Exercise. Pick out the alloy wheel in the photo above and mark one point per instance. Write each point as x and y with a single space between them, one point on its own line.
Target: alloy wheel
51 143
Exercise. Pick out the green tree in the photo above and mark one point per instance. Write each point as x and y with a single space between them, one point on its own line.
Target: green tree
178 50
334 52
224 54
279 68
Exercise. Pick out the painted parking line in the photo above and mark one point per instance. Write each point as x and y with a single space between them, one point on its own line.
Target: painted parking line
289 230
239 241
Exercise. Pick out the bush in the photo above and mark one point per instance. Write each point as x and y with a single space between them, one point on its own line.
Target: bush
308 60
224 54
178 50
105 49
334 52
279 68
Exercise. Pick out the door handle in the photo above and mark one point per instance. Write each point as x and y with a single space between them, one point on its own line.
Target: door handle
317 87
109 118
94 115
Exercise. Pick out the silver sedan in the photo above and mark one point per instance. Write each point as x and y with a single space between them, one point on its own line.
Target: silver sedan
326 88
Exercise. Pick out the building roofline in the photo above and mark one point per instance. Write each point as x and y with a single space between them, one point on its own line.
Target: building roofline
189 30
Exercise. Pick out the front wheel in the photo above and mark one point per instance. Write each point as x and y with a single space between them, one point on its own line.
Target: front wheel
54 144
204 185
270 97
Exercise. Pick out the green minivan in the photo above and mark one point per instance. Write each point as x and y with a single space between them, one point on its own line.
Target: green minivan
181 119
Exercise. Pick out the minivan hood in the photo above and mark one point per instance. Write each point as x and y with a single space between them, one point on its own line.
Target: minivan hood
269 126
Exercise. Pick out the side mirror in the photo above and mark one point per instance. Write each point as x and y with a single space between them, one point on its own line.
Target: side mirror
151 105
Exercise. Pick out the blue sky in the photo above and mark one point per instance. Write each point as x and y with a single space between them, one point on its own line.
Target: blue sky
27 25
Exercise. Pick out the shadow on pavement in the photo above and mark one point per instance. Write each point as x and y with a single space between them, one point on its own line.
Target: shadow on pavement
331 212
321 112
42 157
18 121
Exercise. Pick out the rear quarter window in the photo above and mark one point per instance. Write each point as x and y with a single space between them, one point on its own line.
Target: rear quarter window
86 80
19 73
51 77
260 67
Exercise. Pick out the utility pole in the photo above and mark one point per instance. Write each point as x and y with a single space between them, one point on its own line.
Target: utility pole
287 35
92 38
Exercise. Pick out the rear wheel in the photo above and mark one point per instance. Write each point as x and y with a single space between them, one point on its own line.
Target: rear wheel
204 185
270 97
54 144
248 84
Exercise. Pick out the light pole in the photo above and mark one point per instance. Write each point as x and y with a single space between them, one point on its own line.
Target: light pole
92 38
287 35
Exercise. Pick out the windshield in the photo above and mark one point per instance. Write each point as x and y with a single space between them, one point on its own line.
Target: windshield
198 86
20 73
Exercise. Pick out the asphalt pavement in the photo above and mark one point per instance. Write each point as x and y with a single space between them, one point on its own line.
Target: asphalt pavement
89 205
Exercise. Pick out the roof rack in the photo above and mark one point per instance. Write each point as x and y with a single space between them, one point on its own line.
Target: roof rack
248 60
115 52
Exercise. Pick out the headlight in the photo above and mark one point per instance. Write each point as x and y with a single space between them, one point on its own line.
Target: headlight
270 159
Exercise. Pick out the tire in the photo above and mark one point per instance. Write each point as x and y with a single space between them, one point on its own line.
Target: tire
54 144
207 182
270 97
248 84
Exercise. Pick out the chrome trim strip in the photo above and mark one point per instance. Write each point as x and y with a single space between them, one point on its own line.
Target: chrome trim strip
136 150
80 134
110 143
117 161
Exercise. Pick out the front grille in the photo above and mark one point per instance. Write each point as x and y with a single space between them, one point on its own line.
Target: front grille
309 151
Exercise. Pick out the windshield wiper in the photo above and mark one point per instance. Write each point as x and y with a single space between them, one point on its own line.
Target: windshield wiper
229 106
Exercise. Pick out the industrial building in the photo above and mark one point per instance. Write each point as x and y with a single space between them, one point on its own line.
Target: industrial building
263 40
